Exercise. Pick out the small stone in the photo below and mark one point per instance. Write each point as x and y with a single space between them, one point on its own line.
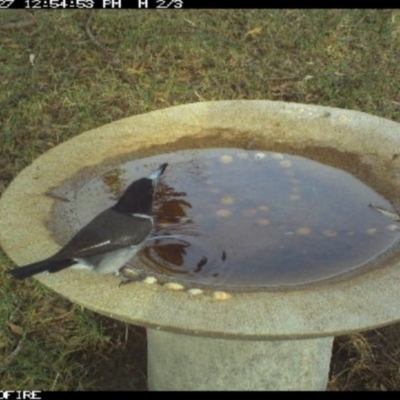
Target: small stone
259 156
243 155
226 159
371 231
329 233
227 200
221 296
303 231
285 163
150 280
392 227
262 221
277 156
174 286
223 213
195 292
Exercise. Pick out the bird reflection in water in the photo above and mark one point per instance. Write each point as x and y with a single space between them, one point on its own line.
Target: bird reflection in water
176 248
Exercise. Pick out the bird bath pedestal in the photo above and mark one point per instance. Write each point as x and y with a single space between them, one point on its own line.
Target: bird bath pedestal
278 339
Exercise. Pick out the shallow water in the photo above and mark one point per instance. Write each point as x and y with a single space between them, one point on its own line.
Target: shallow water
247 218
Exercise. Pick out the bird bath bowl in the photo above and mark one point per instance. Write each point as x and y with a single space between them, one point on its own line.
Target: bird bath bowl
275 250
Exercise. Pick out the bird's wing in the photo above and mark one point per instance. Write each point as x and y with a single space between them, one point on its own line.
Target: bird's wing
110 230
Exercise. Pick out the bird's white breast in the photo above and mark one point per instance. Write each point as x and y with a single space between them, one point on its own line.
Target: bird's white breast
108 262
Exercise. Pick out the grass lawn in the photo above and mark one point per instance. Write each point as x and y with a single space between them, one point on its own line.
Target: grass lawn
64 72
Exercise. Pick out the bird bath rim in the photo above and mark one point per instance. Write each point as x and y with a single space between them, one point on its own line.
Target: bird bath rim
360 302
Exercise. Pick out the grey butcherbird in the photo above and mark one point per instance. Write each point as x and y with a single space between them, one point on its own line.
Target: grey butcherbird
111 239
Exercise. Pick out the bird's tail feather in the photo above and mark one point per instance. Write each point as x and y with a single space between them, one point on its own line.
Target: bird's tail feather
47 265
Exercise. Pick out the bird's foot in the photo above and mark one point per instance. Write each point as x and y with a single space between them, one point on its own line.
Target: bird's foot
130 275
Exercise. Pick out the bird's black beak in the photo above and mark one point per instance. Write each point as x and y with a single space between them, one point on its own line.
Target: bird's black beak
155 176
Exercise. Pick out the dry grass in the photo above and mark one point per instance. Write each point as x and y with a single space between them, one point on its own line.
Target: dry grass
56 82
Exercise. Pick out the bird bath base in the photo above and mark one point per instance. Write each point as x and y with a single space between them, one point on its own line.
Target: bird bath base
182 362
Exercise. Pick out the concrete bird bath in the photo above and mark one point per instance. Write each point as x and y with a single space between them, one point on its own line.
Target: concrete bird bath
226 331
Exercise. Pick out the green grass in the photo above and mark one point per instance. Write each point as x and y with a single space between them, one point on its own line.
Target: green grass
156 59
